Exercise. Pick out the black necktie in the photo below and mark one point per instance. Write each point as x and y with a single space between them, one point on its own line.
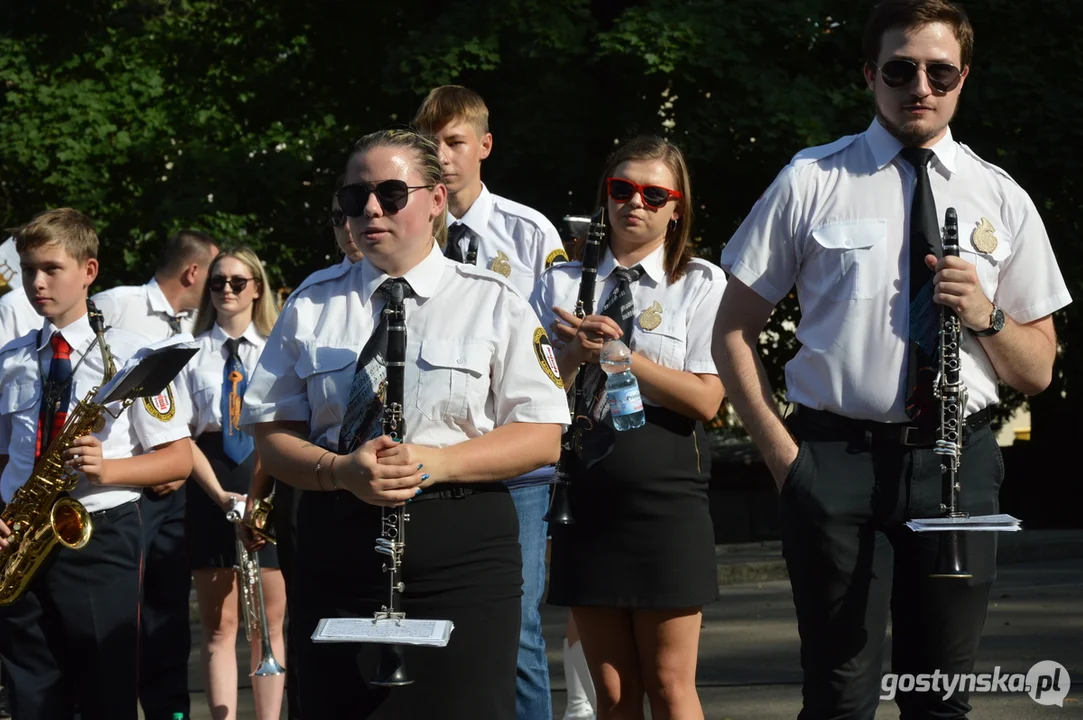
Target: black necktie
362 419
620 307
454 252
174 324
924 317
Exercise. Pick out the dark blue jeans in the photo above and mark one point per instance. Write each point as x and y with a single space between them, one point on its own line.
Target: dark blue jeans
532 694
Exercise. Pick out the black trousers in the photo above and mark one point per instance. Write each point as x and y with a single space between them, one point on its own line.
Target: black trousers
853 565
72 639
165 635
285 519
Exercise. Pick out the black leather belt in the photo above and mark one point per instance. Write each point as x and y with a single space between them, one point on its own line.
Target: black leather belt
457 491
890 433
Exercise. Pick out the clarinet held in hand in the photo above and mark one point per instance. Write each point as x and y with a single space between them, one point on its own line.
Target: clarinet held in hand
560 511
391 669
952 395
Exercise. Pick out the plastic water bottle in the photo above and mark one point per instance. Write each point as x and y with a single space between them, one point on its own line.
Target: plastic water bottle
621 386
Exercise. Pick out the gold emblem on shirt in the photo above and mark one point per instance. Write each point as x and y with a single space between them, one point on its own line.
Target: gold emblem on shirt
500 264
651 318
547 359
984 237
161 406
555 256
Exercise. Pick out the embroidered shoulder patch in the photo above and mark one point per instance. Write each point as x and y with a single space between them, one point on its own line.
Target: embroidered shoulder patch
557 255
547 359
161 406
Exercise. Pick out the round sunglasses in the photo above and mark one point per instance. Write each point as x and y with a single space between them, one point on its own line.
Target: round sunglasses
654 196
943 77
391 194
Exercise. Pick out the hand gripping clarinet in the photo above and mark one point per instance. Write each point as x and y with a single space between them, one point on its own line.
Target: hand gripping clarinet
560 511
391 670
952 395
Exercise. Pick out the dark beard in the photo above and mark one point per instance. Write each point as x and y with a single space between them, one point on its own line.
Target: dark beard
912 137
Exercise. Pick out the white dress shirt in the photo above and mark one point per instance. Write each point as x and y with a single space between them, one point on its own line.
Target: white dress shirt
473 361
17 316
142 309
673 323
514 240
201 378
24 364
835 222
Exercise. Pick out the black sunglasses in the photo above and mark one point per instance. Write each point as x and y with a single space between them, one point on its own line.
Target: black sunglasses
943 77
236 284
391 194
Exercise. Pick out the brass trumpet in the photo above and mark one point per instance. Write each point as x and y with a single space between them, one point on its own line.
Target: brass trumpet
255 612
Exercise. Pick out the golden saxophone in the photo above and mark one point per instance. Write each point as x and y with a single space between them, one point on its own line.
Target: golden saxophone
41 514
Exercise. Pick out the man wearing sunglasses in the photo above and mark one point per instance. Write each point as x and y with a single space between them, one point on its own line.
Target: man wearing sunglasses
164 307
856 226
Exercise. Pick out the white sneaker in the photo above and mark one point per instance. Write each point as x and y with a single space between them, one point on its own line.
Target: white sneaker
581 697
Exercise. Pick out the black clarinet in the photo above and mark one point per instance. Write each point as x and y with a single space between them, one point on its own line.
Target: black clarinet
560 510
391 668
952 394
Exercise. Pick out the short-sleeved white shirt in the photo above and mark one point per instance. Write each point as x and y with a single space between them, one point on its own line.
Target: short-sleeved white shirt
836 222
139 429
141 309
674 322
513 239
17 316
201 380
474 357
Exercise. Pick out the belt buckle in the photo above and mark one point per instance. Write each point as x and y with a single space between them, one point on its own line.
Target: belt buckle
910 435
457 493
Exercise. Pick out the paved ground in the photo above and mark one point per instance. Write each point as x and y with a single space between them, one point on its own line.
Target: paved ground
749 649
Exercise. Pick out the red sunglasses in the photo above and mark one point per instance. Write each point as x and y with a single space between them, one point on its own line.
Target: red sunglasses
654 196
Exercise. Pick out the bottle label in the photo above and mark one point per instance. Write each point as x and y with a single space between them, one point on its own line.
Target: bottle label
624 401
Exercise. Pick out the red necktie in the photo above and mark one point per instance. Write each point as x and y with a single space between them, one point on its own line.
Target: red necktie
55 395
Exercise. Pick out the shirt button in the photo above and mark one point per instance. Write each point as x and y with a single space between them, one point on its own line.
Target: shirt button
459 360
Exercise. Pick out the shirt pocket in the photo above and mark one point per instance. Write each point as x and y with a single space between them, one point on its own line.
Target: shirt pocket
848 260
206 399
664 344
21 401
328 375
451 374
988 264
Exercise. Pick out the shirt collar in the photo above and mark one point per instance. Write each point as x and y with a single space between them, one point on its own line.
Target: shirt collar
652 265
78 334
219 336
885 147
477 217
424 278
156 299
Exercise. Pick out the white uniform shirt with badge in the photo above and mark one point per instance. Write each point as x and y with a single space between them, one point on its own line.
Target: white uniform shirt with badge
17 316
514 240
835 222
201 380
474 357
141 309
143 426
673 323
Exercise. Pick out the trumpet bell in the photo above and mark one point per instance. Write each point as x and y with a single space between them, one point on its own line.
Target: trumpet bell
269 666
391 669
560 507
949 557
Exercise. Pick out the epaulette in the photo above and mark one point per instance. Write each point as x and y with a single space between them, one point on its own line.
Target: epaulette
819 152
29 339
986 164
320 276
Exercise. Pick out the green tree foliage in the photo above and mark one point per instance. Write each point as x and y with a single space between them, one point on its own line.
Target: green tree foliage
235 116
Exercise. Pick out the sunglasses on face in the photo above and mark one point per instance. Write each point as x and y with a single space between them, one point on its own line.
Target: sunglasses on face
943 77
654 196
236 284
391 194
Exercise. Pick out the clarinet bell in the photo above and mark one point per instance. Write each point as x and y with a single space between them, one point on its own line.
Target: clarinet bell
391 668
949 556
560 507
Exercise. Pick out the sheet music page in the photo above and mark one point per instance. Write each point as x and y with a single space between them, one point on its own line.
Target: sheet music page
410 631
974 523
180 340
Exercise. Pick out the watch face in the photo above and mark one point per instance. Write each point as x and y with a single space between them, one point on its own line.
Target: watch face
998 320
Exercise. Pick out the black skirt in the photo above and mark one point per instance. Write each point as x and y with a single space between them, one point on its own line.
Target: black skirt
211 539
643 536
462 563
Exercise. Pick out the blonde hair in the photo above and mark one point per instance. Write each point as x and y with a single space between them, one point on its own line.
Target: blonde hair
448 103
428 163
66 227
265 307
678 250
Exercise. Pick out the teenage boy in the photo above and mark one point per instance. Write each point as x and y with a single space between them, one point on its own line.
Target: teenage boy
519 243
72 637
